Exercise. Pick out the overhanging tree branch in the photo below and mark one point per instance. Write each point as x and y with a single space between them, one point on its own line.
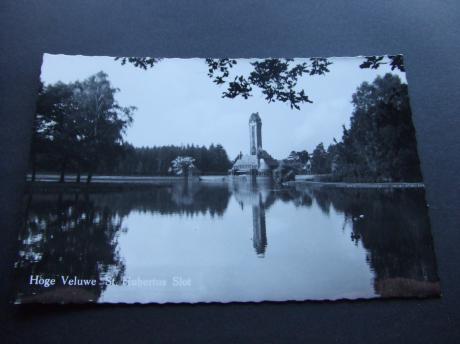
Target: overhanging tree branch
276 78
374 62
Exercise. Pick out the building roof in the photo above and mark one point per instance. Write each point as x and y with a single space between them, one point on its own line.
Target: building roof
246 160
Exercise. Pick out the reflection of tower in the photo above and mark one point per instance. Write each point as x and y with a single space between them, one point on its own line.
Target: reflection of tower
255 133
259 237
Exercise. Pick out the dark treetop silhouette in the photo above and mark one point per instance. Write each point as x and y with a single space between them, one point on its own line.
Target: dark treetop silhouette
380 144
276 78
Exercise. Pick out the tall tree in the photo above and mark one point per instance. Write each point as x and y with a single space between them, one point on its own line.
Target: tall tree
380 144
101 122
55 134
79 126
320 160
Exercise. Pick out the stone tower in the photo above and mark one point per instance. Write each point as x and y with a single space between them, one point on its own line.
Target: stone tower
255 133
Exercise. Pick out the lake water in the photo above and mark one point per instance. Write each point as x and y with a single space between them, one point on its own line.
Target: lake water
227 241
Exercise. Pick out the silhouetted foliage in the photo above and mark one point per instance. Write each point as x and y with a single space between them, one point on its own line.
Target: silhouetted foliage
294 164
144 63
276 78
303 156
320 160
380 144
78 126
55 138
374 62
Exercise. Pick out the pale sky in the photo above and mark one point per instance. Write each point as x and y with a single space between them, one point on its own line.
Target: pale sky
177 103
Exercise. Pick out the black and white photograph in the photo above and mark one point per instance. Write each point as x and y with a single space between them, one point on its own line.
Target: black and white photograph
167 180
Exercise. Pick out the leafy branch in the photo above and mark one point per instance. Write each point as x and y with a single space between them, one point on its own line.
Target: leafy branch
276 78
374 62
140 62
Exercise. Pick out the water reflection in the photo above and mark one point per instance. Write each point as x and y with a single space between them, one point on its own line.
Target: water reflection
68 234
259 228
78 234
259 195
393 226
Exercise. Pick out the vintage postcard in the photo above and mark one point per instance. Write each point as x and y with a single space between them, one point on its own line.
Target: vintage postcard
155 180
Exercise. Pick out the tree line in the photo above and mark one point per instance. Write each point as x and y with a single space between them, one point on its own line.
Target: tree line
158 160
380 145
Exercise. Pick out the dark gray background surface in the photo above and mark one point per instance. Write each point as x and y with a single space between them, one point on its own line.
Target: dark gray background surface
427 32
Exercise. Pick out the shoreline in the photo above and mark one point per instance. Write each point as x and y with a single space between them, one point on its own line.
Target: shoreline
358 185
127 182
